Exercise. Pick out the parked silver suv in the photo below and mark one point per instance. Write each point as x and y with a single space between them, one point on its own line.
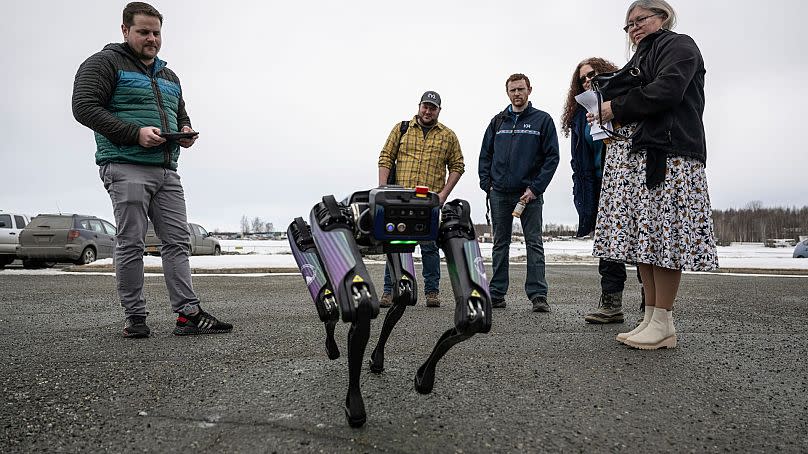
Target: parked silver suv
65 237
10 226
202 243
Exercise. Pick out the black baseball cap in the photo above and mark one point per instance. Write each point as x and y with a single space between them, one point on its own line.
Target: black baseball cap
431 97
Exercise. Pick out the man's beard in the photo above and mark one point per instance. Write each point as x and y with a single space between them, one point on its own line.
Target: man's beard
425 123
143 56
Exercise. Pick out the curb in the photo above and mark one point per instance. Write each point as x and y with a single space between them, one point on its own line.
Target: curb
786 271
159 270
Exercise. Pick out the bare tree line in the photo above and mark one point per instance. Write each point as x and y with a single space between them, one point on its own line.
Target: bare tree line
255 225
754 223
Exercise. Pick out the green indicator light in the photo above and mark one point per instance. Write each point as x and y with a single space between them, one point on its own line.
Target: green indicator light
403 242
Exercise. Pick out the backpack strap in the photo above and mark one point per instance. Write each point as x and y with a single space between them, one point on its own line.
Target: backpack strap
402 129
498 120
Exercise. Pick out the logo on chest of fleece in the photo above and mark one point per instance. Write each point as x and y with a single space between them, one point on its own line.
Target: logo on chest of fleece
526 129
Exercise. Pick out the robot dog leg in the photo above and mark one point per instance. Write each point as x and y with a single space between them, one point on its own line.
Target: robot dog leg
332 231
405 289
469 283
308 260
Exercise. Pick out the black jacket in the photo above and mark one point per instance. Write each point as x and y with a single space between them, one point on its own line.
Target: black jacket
669 105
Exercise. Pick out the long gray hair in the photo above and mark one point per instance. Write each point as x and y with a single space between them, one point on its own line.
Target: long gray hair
657 6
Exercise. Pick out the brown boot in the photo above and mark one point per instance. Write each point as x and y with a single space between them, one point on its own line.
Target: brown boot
432 299
610 309
386 300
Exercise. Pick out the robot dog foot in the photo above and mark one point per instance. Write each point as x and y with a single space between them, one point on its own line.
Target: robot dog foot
425 376
355 410
377 357
471 317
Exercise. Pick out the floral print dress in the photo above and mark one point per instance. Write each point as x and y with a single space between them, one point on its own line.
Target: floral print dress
669 226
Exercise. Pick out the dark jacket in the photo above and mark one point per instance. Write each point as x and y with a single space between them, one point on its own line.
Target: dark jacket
521 153
586 183
115 94
670 103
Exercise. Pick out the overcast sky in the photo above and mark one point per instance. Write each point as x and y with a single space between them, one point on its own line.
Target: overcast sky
294 100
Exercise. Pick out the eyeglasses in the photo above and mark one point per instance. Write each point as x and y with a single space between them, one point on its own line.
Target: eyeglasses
590 75
638 22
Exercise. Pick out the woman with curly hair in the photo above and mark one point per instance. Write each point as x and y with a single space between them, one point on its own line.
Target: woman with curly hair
587 177
655 208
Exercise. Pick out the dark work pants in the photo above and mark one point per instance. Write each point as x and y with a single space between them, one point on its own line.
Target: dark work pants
613 276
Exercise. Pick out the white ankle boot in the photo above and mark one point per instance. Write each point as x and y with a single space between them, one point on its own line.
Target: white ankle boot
649 311
671 328
658 334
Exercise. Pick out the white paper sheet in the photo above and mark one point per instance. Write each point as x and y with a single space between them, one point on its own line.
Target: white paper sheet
589 99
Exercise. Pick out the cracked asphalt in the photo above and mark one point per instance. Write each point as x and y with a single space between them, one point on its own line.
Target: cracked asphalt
536 383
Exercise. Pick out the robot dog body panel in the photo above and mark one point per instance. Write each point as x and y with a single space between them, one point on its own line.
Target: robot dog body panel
344 266
308 260
311 267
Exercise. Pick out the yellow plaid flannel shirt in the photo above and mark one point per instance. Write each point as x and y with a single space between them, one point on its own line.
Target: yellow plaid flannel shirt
422 161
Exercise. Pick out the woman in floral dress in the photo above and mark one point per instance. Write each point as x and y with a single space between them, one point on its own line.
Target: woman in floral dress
654 207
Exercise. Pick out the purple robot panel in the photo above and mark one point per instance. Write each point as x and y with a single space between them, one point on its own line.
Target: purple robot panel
474 260
336 250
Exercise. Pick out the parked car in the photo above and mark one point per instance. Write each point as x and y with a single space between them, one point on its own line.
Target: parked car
202 243
75 238
10 226
801 251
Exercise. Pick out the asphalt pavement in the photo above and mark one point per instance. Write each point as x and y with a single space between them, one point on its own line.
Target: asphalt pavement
738 380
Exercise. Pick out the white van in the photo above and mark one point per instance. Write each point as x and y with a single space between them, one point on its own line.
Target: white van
10 226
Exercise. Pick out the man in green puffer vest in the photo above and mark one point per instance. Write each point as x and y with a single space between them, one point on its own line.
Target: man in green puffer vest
131 100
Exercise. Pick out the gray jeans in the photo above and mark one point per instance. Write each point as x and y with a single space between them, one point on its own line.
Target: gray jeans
137 192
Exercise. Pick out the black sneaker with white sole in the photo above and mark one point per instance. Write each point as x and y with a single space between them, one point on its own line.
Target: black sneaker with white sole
201 323
135 327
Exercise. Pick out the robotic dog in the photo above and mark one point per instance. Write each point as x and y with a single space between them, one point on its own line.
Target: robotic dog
389 220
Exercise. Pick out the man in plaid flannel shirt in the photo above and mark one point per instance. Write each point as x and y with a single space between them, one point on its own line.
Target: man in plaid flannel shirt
422 156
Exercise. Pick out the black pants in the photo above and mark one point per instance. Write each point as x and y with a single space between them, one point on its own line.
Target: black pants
613 276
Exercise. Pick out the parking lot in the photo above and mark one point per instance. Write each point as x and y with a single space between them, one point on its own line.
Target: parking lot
537 382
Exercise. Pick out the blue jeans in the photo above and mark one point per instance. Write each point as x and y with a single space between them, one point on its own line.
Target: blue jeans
430 259
502 204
